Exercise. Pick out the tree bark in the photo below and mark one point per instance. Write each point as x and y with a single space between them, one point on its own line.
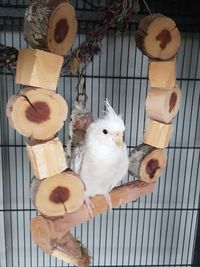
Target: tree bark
50 25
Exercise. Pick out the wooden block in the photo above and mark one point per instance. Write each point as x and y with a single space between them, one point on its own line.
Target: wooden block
38 68
50 25
58 194
47 158
157 134
147 163
158 37
162 73
163 105
37 112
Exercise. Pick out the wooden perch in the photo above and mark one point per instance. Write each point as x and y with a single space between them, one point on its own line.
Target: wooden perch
163 105
50 25
37 112
147 163
158 37
38 68
47 157
57 228
162 74
157 134
58 194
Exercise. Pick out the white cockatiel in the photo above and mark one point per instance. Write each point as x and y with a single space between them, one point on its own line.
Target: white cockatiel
102 159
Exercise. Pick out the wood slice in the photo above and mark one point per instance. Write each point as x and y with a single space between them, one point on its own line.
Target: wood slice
157 134
37 113
147 163
162 73
163 105
47 157
158 37
58 194
38 68
50 25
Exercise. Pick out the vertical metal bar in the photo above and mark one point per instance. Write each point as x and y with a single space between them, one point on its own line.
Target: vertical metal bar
176 131
113 82
198 52
106 88
131 121
119 96
125 108
196 248
7 180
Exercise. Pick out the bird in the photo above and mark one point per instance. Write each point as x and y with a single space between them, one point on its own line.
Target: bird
101 160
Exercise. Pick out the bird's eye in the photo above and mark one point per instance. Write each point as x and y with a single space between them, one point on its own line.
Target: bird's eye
105 131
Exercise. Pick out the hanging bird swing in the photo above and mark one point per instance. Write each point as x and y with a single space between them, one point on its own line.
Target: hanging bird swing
68 190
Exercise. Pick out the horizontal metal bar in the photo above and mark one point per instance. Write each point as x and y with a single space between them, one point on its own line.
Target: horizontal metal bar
114 209
10 12
113 77
170 147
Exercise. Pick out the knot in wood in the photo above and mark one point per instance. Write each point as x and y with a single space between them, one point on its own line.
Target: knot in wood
61 30
152 167
38 112
164 37
59 195
172 101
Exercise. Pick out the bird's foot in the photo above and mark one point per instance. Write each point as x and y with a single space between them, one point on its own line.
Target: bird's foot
89 205
108 200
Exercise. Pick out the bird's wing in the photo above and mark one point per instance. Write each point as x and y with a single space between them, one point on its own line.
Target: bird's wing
77 157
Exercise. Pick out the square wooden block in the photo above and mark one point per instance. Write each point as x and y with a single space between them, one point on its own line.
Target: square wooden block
47 157
157 134
162 73
38 68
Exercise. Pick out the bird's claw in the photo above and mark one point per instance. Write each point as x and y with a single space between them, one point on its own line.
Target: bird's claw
108 200
89 205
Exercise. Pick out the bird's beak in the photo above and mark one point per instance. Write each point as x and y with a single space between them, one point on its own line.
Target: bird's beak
118 138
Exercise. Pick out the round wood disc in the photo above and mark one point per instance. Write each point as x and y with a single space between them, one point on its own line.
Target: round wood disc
58 194
37 112
158 37
152 166
62 29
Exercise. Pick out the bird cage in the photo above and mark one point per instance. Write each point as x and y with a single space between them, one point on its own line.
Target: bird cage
161 228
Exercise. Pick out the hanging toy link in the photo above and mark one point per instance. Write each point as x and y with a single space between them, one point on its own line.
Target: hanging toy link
81 118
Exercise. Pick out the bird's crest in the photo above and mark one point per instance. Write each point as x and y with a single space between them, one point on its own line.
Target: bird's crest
113 118
109 110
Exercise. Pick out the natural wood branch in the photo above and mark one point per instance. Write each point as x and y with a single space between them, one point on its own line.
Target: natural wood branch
57 228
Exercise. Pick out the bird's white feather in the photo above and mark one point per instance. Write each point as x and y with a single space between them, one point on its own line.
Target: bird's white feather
101 163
